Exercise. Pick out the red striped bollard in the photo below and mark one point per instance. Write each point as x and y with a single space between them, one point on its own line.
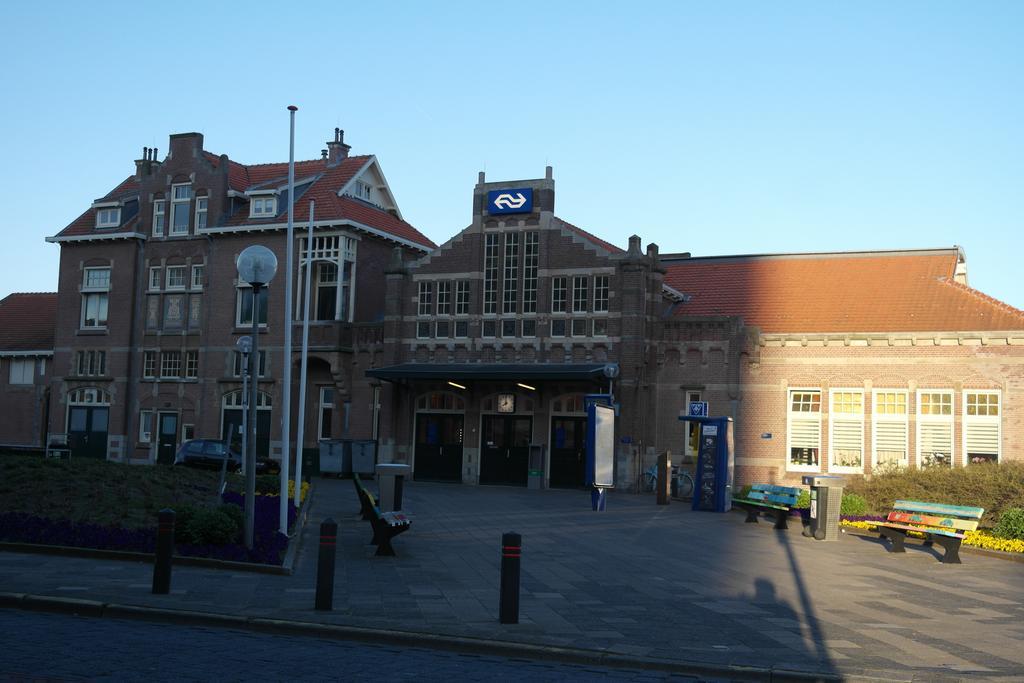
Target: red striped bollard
511 552
164 550
325 565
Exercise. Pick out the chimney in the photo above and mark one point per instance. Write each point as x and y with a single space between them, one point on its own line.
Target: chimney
144 166
338 150
323 154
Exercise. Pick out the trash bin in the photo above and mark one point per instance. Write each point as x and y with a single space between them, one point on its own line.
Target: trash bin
390 481
364 456
535 476
335 457
826 502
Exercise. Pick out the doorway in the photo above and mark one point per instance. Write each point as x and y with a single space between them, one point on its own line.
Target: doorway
505 449
568 452
87 431
438 454
167 438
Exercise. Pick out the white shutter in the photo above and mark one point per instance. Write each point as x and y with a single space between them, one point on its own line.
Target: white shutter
847 443
935 438
890 443
982 437
805 433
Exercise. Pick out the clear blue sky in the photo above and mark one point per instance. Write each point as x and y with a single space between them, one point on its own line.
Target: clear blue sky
714 128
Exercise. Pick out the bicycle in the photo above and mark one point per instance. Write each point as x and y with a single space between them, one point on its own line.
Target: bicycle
684 482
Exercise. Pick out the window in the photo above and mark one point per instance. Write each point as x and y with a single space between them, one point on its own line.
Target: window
558 327
363 190
982 427
934 428
170 364
263 207
23 371
579 294
145 425
442 327
461 329
601 294
237 367
558 294
889 434
529 328
510 293
90 363
159 217
108 218
803 433
692 428
94 298
600 327
201 204
326 410
423 330
181 197
198 273
155 278
191 364
508 328
326 290
846 430
579 327
489 328
444 298
175 277
531 248
149 364
426 298
243 313
462 297
490 273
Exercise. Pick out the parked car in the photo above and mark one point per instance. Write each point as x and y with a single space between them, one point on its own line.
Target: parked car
211 453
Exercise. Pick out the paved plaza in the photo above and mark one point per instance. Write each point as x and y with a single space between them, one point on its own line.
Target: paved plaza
657 586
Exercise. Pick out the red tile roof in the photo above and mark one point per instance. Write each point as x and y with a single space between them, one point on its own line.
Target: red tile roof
607 246
909 291
323 189
27 321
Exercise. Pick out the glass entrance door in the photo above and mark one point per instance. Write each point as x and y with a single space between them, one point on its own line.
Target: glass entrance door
505 449
438 447
568 452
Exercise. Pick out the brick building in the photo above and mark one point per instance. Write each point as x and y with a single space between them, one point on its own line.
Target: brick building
26 352
149 304
840 362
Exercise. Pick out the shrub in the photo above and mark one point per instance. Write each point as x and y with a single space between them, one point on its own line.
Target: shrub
744 492
803 501
236 514
268 485
853 505
1011 524
210 527
182 518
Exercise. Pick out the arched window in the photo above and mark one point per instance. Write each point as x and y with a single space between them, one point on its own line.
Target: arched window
88 396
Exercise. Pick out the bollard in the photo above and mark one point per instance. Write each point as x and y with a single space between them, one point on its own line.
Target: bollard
664 472
325 565
164 550
511 550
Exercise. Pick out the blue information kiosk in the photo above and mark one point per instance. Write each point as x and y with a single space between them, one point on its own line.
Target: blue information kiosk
714 476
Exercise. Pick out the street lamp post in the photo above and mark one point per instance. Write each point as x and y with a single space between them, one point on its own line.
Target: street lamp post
256 266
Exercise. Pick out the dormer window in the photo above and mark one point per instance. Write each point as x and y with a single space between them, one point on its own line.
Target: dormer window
263 207
363 190
108 218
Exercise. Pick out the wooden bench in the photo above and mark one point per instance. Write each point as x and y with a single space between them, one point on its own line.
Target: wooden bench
942 524
385 525
778 500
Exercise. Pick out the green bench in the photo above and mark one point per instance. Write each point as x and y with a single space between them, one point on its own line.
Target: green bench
385 525
943 524
778 500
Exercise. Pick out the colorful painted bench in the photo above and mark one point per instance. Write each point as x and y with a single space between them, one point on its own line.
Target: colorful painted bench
778 500
942 524
385 525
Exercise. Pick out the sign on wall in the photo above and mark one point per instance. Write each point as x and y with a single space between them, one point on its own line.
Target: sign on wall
516 200
698 408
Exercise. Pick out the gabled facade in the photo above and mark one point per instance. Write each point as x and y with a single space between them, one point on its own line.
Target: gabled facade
150 306
26 355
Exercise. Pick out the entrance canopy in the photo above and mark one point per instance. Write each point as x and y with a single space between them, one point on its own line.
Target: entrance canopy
495 371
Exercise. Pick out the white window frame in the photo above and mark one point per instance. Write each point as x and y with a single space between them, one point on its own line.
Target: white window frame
20 368
255 305
900 420
150 361
156 278
425 298
363 190
559 303
177 201
202 211
145 422
159 217
191 369
580 293
462 297
970 420
444 297
816 417
263 206
329 406
108 217
198 274
95 290
602 284
691 429
167 361
182 272
923 419
837 420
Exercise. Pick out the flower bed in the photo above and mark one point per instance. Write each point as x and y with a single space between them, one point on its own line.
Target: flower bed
269 545
978 539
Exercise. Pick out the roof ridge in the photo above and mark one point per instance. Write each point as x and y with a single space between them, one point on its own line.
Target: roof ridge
303 161
978 294
604 244
859 253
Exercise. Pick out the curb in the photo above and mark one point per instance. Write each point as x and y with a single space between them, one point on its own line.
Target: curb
463 644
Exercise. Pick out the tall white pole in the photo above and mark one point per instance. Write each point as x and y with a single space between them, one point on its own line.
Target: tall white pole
286 414
305 356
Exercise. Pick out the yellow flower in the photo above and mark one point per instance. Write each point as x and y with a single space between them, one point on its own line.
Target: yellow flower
978 539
